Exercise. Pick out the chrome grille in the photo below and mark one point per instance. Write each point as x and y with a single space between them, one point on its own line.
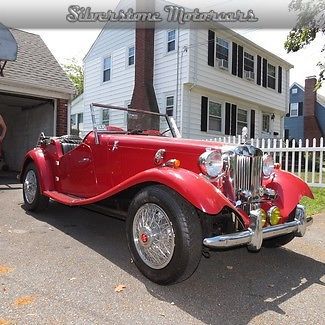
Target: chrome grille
248 173
247 169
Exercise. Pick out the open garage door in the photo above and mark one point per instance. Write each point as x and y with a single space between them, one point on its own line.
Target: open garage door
25 118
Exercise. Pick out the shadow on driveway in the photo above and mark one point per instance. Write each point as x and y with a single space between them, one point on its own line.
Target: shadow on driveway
9 181
232 286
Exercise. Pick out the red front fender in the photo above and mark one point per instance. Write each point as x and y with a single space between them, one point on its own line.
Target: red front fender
194 188
290 189
43 167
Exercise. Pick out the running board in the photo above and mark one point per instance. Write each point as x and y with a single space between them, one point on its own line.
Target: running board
65 198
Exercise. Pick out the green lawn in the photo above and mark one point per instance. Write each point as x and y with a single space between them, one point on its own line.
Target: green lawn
318 204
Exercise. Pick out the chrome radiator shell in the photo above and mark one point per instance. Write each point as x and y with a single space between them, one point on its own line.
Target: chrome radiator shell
246 167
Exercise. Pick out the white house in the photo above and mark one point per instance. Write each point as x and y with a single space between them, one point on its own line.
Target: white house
213 81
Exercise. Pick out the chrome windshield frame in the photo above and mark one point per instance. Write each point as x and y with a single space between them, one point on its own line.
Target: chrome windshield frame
170 121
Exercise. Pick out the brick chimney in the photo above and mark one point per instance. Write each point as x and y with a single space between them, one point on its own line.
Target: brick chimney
144 96
311 127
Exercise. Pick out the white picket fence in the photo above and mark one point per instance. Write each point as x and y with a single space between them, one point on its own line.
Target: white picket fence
306 160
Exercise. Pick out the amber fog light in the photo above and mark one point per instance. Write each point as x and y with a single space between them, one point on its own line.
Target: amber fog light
274 215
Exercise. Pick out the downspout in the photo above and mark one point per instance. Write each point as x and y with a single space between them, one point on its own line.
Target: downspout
194 83
182 89
55 110
177 80
69 117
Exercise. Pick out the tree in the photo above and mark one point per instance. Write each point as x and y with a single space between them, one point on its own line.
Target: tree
310 23
75 73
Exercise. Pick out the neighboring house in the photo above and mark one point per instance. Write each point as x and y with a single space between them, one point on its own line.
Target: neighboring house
76 118
35 95
306 116
213 81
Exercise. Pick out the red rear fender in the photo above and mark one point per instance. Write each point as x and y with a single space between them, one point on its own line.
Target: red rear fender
45 174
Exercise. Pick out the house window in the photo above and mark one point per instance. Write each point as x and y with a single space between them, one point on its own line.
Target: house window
266 123
222 49
248 62
171 40
242 117
76 123
131 55
215 118
107 69
294 90
169 105
294 109
271 76
105 116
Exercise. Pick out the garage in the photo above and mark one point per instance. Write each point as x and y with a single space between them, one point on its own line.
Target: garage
25 118
35 94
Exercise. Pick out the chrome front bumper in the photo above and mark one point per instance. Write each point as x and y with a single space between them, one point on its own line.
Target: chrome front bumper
254 235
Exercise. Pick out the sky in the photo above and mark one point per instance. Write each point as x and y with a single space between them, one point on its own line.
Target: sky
67 40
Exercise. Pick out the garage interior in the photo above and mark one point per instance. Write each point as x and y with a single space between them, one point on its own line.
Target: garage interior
26 117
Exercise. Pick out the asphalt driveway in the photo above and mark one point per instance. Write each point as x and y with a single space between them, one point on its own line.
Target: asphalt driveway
66 266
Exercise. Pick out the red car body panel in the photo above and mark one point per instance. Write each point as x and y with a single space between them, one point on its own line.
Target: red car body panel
92 172
290 189
43 165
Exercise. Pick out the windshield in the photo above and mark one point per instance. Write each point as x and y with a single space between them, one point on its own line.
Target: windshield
129 121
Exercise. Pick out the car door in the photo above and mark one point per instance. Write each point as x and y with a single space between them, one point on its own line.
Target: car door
77 173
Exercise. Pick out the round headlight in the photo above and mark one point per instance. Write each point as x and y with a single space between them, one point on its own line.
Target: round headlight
268 165
211 163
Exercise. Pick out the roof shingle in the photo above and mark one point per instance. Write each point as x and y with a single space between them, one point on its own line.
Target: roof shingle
36 65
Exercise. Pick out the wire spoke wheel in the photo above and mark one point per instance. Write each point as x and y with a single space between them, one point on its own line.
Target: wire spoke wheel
33 198
30 186
153 236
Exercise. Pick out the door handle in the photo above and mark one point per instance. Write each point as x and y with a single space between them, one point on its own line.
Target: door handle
84 160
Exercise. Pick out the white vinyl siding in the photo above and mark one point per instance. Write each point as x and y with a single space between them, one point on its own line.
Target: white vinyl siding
165 73
216 80
113 42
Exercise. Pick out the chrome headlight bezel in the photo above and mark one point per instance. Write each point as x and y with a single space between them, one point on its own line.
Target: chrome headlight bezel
211 163
268 165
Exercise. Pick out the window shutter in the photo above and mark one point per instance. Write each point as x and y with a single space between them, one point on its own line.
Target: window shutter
240 61
300 109
211 47
252 124
234 59
264 79
233 119
279 79
227 119
259 70
204 114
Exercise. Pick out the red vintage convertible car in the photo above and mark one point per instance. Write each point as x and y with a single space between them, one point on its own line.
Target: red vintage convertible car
179 197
